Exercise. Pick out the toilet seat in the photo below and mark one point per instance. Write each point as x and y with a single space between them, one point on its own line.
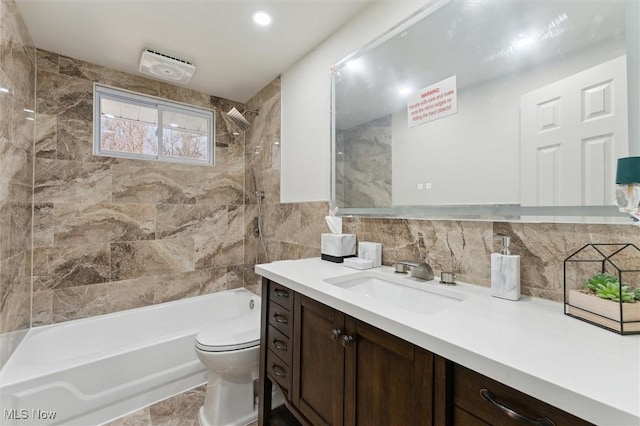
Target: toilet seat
230 335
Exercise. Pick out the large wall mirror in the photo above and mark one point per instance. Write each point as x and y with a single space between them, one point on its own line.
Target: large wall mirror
489 110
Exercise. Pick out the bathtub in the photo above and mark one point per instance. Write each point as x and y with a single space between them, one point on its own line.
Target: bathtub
91 371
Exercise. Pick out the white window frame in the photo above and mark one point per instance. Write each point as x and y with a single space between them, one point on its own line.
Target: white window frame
161 105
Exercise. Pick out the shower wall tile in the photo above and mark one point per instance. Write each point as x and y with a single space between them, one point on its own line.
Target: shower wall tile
47 61
77 224
17 74
96 73
145 258
46 136
98 299
59 94
58 181
104 223
43 229
42 308
70 266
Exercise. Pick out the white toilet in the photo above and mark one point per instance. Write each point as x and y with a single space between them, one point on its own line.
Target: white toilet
230 350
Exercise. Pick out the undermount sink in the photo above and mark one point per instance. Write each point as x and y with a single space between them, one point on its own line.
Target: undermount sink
400 291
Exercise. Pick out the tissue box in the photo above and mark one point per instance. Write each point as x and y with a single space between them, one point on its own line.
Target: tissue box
370 251
335 247
358 263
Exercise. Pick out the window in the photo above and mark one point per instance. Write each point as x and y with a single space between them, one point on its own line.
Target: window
136 126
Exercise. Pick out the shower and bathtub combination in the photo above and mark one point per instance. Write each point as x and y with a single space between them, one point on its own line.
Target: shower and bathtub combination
94 370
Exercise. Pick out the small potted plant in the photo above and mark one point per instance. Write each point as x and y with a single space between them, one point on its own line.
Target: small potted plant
604 299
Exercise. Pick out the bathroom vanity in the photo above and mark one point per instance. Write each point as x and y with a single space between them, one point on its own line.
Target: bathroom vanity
345 356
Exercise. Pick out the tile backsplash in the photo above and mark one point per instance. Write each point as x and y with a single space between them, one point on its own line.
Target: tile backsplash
464 247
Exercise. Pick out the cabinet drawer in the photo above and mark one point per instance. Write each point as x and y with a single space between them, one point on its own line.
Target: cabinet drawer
280 318
467 387
279 344
281 295
279 371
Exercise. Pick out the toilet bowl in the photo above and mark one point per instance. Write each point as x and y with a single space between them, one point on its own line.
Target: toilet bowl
230 350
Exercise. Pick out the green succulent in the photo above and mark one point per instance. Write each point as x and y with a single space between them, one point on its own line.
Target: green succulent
607 286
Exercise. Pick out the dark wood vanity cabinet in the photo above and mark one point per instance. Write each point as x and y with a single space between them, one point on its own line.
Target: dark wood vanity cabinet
479 400
344 371
336 370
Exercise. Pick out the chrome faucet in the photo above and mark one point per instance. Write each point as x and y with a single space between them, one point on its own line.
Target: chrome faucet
419 270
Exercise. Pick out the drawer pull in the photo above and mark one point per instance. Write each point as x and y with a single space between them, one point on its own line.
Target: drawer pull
514 414
278 371
335 334
280 319
281 293
279 345
346 341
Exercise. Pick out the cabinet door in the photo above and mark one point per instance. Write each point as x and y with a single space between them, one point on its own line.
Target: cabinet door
388 381
318 360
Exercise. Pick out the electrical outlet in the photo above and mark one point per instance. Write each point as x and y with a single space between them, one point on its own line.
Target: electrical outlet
427 185
419 186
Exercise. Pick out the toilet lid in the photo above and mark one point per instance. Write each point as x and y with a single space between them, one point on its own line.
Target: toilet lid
230 334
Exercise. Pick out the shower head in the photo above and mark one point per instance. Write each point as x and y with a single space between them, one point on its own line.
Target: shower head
238 118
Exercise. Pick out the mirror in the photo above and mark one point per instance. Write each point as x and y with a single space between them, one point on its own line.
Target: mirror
487 110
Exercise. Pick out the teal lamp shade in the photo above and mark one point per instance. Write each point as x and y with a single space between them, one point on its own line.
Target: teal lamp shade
628 187
628 170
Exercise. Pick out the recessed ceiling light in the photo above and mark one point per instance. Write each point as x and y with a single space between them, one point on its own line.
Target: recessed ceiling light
261 18
524 41
404 90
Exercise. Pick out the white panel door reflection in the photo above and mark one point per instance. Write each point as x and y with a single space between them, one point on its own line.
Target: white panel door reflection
571 134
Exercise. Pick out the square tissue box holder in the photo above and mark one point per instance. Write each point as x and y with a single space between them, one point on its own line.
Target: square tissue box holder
337 247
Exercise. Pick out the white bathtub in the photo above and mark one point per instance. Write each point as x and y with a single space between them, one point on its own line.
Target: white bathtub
93 370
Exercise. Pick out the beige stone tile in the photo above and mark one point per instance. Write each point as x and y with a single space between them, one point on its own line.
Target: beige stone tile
43 231
221 189
16 173
146 258
214 254
184 220
544 247
105 222
97 299
141 417
95 73
70 266
181 410
75 140
64 95
47 61
189 284
15 287
59 181
42 308
46 136
156 183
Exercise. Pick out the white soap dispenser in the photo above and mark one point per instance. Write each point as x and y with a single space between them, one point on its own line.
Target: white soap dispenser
505 271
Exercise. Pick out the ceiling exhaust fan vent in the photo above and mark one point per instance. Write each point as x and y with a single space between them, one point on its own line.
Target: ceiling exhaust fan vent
166 67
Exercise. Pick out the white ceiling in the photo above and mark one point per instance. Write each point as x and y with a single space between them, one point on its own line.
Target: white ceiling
234 58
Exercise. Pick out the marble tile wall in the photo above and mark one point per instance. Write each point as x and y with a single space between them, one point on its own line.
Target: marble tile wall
112 234
363 164
290 230
17 103
465 247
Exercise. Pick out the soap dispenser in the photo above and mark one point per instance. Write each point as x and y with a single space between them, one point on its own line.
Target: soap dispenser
505 271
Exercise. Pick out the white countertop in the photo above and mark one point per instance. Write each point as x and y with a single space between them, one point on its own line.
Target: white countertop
530 345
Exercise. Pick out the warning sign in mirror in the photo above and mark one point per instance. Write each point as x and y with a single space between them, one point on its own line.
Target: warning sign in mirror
431 103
